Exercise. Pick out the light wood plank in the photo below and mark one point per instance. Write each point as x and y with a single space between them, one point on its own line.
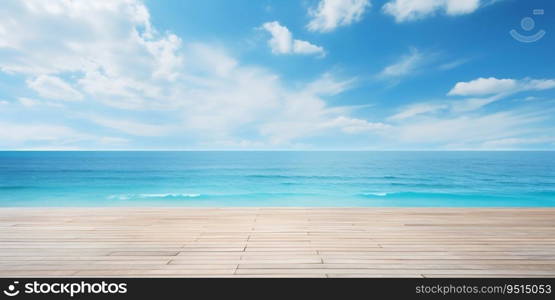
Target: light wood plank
277 242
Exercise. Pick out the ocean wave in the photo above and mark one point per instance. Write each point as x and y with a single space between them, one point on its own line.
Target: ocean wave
380 194
15 187
278 176
169 195
436 195
323 177
119 197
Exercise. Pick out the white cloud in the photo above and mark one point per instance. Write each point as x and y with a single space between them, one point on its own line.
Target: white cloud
354 126
113 56
406 65
483 86
38 136
33 103
168 61
73 35
466 131
110 48
27 102
515 143
450 124
35 132
328 85
408 10
282 41
211 59
472 104
330 14
132 127
315 124
304 47
306 114
481 92
494 86
52 87
281 132
417 109
537 84
109 53
495 90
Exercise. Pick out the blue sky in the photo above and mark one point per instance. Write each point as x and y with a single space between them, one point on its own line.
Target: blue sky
311 74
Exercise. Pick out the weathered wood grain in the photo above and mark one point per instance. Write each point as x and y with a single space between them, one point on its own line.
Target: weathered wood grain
277 242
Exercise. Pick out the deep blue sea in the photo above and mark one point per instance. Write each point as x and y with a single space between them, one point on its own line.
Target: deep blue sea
328 179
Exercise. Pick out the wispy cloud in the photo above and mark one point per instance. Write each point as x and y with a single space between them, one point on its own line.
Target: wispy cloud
516 143
484 91
480 92
418 61
52 87
133 127
417 109
441 125
453 64
34 103
406 65
468 131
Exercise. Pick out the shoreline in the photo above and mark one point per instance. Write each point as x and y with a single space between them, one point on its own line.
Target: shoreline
277 242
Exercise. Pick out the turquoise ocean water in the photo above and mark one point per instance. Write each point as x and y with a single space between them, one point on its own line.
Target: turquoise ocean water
328 179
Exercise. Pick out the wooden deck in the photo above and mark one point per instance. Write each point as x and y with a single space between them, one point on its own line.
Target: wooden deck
277 242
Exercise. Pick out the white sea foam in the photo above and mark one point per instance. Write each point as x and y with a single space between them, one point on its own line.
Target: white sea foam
165 195
169 195
380 194
119 197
